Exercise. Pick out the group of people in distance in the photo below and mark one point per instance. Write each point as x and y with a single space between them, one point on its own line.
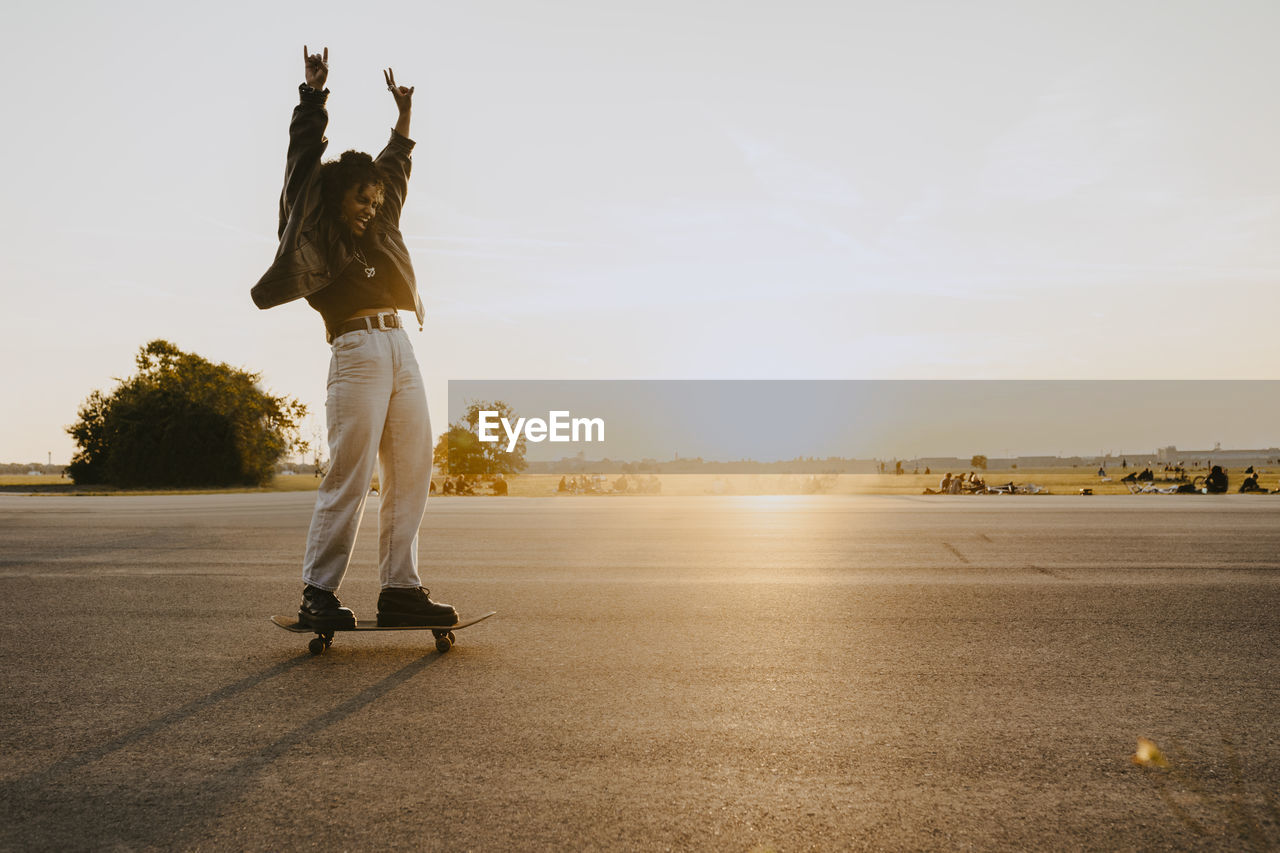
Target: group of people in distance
959 485
460 485
596 484
1216 482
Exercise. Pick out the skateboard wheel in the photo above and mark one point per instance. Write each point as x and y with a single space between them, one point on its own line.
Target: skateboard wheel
317 645
443 644
451 639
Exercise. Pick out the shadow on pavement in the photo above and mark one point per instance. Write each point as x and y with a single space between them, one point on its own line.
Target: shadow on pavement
72 763
54 807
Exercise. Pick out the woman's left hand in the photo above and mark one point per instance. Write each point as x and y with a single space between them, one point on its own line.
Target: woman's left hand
402 94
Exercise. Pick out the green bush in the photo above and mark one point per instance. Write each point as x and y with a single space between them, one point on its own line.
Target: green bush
183 421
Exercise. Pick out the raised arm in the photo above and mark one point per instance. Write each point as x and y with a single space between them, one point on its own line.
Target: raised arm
393 161
404 101
306 134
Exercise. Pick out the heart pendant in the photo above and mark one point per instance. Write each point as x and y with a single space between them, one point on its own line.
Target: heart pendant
369 271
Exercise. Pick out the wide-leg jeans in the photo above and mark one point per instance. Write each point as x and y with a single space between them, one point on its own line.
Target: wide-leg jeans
375 410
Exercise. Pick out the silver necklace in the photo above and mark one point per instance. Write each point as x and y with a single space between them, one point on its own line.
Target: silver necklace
364 262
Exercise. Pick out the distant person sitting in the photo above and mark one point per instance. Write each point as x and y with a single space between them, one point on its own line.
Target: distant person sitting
1250 484
1216 482
564 486
447 488
957 485
1146 475
1102 472
944 487
499 486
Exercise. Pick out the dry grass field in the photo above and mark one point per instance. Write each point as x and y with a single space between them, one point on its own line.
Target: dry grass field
32 480
55 484
1057 481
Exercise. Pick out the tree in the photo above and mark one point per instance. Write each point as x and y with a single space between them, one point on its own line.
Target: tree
184 421
460 450
979 461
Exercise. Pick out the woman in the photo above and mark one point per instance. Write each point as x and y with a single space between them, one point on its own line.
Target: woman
341 250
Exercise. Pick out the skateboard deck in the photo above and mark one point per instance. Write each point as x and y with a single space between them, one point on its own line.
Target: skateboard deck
324 638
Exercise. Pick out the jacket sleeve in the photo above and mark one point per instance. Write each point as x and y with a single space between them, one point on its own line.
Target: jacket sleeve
394 164
306 146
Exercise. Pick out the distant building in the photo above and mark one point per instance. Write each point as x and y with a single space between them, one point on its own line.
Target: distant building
1228 458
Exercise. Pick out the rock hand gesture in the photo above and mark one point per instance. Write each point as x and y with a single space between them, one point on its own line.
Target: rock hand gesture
316 69
404 101
402 94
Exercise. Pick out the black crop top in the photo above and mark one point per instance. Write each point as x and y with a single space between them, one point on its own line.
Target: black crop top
354 290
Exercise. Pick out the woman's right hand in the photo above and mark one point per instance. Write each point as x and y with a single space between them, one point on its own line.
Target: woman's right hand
317 68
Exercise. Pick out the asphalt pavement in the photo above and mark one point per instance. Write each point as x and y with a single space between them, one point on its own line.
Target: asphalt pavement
719 673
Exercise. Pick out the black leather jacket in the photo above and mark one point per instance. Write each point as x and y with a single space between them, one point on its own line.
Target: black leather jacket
312 250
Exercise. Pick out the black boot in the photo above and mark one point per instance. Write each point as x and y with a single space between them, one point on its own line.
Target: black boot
321 609
400 608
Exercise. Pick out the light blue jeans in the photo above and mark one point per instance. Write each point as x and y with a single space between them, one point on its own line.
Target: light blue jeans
376 410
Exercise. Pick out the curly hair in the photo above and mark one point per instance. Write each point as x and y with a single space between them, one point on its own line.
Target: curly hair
352 169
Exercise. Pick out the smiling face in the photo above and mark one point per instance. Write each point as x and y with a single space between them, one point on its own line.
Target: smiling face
359 205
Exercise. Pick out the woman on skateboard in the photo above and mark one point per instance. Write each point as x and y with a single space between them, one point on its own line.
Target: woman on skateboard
341 250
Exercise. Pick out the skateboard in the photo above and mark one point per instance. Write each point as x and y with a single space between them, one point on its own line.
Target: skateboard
324 639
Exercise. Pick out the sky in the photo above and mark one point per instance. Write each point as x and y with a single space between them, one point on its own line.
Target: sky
657 190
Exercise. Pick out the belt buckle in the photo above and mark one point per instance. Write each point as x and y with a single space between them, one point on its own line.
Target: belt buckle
382 324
